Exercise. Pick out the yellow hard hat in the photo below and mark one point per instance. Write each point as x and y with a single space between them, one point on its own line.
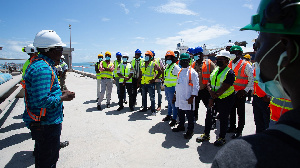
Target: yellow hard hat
107 53
247 56
100 55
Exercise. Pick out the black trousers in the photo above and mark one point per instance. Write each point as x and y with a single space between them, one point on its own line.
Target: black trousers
134 88
122 92
261 113
239 108
204 96
223 106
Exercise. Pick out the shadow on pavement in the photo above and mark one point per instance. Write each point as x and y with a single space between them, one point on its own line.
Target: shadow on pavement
103 106
90 101
14 139
3 119
21 159
139 116
164 111
115 112
207 152
18 116
11 127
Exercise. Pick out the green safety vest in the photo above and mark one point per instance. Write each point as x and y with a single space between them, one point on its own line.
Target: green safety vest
147 73
125 72
170 79
158 63
106 74
98 74
133 62
116 64
217 80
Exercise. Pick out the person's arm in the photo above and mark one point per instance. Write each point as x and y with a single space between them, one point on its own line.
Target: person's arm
101 67
230 78
196 87
249 73
111 69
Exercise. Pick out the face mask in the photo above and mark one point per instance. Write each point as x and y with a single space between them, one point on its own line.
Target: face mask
107 58
274 87
146 58
100 59
220 63
124 59
184 64
169 62
232 56
196 57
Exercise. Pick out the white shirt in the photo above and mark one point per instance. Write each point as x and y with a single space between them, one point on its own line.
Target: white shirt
184 90
161 68
176 69
249 73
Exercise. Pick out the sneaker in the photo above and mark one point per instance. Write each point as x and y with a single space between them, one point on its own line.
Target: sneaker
167 118
108 105
203 138
189 134
120 108
178 128
99 107
63 144
125 101
143 110
236 135
173 123
153 113
220 142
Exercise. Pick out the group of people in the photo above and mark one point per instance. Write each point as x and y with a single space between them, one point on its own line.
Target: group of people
222 86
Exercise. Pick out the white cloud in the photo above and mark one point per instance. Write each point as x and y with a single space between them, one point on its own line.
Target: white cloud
139 38
195 35
105 19
72 20
250 6
173 7
138 3
124 7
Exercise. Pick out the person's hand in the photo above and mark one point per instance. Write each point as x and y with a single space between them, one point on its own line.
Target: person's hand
174 99
211 103
266 98
190 100
67 95
126 78
152 81
138 85
213 94
240 93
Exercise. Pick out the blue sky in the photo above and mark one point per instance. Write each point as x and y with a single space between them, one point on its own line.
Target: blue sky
116 25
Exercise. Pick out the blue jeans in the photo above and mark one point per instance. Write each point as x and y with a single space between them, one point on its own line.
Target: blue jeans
158 88
150 88
171 106
261 113
117 79
47 144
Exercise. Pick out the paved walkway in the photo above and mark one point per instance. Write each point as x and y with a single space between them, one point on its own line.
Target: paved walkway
110 138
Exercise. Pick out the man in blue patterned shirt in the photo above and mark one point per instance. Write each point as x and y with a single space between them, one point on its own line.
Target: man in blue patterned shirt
43 99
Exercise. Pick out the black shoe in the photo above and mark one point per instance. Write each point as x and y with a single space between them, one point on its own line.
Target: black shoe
213 126
202 138
108 105
178 128
131 108
97 99
125 101
196 118
220 142
173 123
236 135
188 134
231 130
99 107
167 118
63 144
143 110
120 108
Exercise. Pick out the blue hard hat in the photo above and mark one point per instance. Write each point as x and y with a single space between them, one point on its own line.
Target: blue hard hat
137 51
198 49
118 54
153 52
190 50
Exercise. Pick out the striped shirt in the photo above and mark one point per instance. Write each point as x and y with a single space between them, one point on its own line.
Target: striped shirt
38 80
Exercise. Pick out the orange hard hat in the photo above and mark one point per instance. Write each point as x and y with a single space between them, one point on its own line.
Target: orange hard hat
170 53
149 53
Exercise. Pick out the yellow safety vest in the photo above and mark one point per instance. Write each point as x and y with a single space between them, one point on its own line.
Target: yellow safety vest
99 74
147 73
217 80
158 63
25 67
125 72
170 79
106 74
116 64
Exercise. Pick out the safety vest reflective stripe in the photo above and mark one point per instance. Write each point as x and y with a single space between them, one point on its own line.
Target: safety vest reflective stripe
256 89
190 76
106 74
241 78
170 79
217 81
99 74
125 72
147 73
279 106
116 64
43 110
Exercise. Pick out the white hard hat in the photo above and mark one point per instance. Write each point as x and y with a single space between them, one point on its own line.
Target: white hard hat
125 54
62 57
229 44
47 39
30 49
223 53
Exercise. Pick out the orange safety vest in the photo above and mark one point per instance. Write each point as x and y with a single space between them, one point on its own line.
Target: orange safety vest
279 106
257 90
241 78
177 62
205 70
43 110
190 76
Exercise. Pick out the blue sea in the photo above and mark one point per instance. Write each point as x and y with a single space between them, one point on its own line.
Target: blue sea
86 67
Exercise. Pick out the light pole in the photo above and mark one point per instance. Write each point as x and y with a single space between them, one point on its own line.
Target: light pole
70 57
